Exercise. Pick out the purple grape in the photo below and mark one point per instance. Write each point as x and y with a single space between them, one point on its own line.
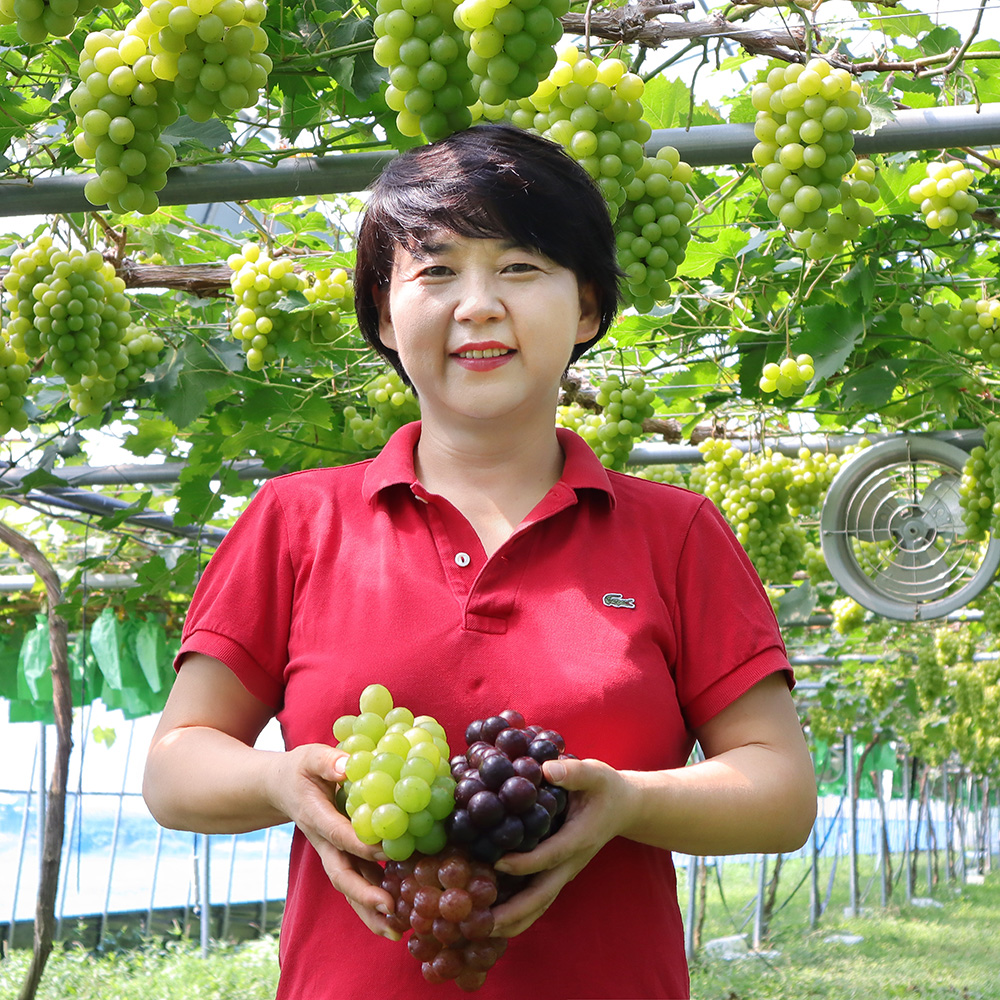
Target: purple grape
474 754
483 849
518 794
553 737
514 718
512 742
485 809
461 829
537 821
529 768
493 726
495 770
467 787
474 732
508 834
547 800
543 750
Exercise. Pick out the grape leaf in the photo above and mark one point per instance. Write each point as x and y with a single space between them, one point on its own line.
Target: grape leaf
830 334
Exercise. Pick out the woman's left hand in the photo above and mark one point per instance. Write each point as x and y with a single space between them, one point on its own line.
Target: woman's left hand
600 805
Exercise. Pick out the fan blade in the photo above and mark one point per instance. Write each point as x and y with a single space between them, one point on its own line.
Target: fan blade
941 503
921 575
871 507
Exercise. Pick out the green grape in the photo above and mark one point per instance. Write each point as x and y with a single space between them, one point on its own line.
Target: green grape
805 117
651 228
400 803
391 404
944 197
789 377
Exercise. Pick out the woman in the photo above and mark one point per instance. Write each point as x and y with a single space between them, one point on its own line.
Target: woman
486 560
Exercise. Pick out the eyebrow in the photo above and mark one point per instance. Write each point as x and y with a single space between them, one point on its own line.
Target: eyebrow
421 248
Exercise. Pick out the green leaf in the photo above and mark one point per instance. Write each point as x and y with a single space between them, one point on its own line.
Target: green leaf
209 135
189 374
901 21
149 436
830 334
795 606
869 388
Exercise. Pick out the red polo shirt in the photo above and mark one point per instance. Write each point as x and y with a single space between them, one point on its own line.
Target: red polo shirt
621 612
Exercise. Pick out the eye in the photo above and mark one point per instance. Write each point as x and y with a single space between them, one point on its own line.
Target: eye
435 271
520 267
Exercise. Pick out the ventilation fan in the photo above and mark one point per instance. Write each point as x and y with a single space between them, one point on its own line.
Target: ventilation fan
892 531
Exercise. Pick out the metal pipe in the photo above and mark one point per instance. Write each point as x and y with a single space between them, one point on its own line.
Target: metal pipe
343 173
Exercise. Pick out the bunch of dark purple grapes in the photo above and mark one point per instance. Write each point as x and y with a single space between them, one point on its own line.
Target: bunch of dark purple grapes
502 801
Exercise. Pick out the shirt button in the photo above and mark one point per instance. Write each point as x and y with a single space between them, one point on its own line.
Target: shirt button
462 559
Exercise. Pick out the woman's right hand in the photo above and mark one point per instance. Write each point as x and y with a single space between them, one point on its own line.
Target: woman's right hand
305 782
203 774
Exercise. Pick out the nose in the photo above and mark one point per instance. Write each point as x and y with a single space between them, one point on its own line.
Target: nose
479 299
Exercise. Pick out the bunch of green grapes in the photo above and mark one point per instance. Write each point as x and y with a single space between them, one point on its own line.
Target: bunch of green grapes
845 223
392 404
720 463
140 351
330 294
399 787
510 45
805 117
14 375
430 83
789 377
121 108
259 282
814 563
809 477
67 309
671 474
979 487
944 197
932 320
612 432
980 321
755 502
36 20
651 229
847 615
213 51
593 110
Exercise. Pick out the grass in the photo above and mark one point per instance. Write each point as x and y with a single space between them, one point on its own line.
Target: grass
946 953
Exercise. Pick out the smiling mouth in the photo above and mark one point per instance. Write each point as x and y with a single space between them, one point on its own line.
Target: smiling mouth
490 352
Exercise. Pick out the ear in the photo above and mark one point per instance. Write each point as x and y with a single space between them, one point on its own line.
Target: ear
590 313
386 332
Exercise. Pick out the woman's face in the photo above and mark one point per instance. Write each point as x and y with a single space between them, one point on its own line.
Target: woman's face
484 328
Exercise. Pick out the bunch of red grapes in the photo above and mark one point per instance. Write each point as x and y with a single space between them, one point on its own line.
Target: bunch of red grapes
446 899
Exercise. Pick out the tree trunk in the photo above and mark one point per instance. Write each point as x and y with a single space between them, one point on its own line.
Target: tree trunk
55 816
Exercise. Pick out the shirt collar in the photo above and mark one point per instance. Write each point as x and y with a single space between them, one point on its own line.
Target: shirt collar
394 464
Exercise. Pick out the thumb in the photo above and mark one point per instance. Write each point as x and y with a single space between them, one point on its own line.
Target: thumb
570 773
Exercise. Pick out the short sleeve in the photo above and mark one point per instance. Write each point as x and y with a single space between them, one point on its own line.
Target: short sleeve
241 611
728 635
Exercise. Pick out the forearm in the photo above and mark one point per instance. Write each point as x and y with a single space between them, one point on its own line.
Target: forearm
200 779
752 799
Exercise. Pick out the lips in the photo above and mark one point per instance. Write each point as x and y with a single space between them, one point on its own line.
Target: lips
484 356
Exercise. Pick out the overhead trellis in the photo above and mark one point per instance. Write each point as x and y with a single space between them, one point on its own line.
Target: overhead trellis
344 173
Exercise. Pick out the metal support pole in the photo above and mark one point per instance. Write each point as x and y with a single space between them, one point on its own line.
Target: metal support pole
116 828
852 813
206 905
907 796
692 907
758 913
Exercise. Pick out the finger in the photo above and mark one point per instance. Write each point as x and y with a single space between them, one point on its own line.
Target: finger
360 887
525 907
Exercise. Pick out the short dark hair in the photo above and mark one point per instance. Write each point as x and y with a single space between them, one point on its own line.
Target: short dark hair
490 181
